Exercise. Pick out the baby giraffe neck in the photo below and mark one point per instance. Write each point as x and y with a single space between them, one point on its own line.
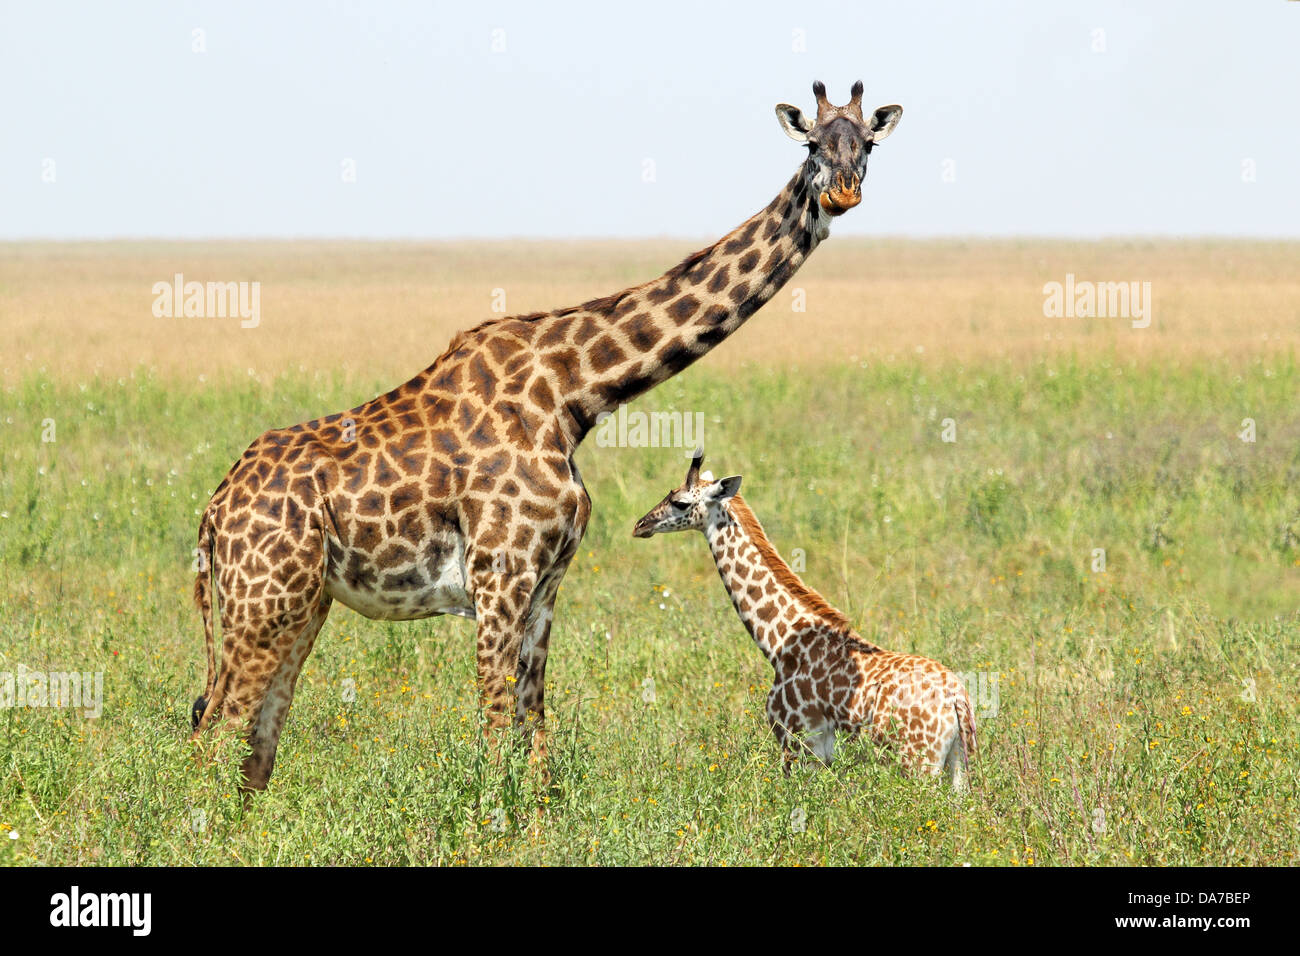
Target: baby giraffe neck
769 597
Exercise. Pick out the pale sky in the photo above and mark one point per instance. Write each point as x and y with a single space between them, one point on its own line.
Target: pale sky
1105 118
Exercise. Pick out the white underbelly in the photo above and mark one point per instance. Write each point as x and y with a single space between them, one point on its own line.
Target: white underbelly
406 593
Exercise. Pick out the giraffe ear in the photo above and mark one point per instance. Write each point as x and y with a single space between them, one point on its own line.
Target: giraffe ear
883 121
728 488
796 125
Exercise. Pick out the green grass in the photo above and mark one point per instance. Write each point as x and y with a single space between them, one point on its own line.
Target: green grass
1145 715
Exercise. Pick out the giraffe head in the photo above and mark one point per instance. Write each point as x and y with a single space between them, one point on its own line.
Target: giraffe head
694 505
838 141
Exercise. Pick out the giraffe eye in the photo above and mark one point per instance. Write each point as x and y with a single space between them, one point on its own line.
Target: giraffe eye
679 505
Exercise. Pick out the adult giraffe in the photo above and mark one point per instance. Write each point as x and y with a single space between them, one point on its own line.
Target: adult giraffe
457 493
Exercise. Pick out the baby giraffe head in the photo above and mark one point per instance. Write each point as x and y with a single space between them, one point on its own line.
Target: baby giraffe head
695 505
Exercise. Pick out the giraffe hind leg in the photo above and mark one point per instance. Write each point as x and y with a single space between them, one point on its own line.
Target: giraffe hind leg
530 686
267 724
955 760
501 604
955 768
269 624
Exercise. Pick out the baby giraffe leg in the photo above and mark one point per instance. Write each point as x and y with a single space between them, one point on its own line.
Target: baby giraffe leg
780 721
955 767
962 742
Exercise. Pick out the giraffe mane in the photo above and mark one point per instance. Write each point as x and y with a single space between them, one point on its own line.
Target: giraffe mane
813 602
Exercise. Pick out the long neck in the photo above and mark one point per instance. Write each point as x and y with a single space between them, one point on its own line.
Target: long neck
638 338
769 597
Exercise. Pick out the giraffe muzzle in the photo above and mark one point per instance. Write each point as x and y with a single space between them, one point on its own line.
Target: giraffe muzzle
844 194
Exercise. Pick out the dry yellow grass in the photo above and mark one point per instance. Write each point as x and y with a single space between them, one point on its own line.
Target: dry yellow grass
386 309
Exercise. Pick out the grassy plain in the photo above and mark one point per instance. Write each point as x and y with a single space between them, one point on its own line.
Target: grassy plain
1146 714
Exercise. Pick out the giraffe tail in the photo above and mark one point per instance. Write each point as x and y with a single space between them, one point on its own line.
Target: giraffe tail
206 572
965 728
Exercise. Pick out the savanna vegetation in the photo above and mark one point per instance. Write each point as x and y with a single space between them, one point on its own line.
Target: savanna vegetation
1098 544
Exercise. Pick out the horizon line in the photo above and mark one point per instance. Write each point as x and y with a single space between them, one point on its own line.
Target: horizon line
883 237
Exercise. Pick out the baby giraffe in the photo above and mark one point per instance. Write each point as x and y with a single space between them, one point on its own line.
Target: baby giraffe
828 679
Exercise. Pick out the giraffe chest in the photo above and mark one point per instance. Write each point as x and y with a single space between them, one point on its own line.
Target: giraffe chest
402 583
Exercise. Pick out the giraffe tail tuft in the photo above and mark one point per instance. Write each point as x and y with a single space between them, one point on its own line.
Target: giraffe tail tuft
204 575
196 712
